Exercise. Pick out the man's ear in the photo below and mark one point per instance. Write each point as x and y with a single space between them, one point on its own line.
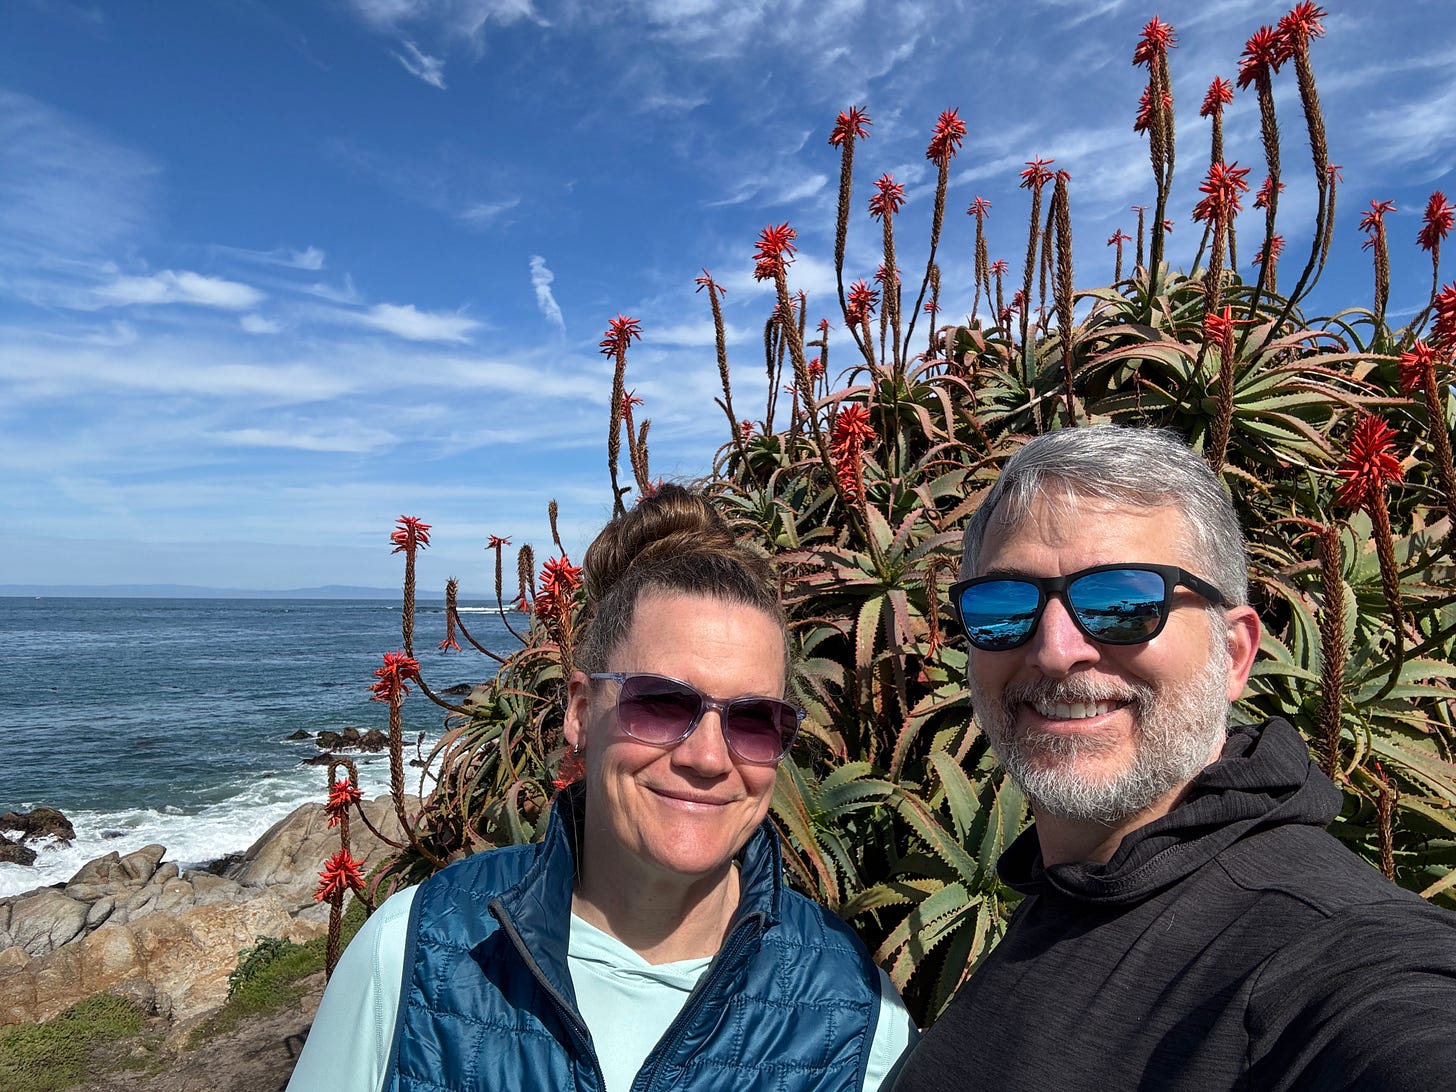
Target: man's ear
1244 631
578 710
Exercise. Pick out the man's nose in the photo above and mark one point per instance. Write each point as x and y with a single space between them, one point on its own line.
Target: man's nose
1059 646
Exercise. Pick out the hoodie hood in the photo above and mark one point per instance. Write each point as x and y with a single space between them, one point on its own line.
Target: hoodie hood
1264 777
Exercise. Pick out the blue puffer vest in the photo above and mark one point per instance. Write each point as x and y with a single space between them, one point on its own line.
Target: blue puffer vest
790 1002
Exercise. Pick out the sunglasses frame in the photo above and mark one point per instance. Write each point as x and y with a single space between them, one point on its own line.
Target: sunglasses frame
1173 577
705 702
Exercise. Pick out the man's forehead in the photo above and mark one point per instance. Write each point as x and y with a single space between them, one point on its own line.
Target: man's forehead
1059 517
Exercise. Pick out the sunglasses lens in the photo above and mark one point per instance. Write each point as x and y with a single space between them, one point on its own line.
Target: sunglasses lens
1119 606
999 614
657 710
760 729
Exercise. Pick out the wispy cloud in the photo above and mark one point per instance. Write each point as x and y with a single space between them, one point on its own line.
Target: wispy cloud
257 324
412 324
541 279
336 436
422 66
481 213
310 258
171 286
65 188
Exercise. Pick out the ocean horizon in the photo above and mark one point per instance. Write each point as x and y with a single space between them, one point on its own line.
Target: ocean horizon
165 720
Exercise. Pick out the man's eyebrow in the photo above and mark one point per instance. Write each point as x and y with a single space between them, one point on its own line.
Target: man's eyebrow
1006 572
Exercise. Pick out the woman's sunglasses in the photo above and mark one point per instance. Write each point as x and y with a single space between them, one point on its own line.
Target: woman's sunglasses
662 711
1112 604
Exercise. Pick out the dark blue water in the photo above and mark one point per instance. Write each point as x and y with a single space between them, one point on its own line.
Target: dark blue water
164 720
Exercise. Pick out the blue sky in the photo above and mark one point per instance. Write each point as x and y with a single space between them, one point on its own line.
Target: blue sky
274 273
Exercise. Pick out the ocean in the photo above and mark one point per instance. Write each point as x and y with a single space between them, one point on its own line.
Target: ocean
165 720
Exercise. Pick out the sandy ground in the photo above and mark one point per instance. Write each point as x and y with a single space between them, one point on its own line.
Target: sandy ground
257 1057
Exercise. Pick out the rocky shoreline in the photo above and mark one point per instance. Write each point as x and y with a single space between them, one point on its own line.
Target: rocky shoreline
136 925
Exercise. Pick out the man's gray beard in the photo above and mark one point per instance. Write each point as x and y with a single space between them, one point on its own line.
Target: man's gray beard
1177 735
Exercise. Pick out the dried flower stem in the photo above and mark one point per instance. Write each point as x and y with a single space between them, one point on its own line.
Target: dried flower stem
1332 628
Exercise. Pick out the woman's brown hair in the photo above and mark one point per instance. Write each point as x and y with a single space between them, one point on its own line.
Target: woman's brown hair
672 541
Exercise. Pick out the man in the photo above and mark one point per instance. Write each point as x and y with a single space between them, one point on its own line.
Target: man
1186 920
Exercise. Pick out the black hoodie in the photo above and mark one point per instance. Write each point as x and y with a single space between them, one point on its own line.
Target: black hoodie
1232 943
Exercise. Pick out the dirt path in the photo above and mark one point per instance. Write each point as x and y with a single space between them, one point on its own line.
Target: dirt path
257 1057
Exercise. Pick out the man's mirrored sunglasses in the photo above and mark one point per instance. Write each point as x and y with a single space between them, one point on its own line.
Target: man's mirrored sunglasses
663 711
1112 604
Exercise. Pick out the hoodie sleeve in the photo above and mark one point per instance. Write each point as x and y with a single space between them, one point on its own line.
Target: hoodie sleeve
1363 1000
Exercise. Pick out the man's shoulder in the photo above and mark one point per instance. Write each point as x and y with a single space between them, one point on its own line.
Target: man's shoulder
1309 872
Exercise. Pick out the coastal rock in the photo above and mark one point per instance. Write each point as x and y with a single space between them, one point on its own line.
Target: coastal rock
39 822
14 853
137 919
373 741
286 860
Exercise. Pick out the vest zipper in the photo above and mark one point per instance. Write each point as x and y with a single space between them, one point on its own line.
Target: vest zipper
727 957
569 1014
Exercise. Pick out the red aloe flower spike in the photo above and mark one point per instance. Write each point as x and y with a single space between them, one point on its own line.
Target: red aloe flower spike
1436 223
342 873
342 796
620 332
851 432
1368 467
707 281
816 368
1297 28
1369 464
999 267
850 123
397 670
1262 56
1443 334
409 535
1266 190
931 308
495 542
862 301
1218 330
560 580
629 400
1118 237
774 251
823 327
946 137
1413 367
1143 122
1276 248
1372 220
1220 94
745 428
1156 39
888 199
979 207
1036 174
1224 184
1332 170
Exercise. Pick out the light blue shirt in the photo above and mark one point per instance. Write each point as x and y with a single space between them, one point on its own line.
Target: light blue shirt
348 1047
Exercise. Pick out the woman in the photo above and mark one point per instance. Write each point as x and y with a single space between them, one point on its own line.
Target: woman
648 942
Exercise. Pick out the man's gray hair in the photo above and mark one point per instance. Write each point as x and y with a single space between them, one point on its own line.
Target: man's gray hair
1135 467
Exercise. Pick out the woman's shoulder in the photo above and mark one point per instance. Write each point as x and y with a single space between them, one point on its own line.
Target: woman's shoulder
811 925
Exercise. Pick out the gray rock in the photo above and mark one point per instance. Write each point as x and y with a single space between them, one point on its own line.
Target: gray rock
100 910
43 920
142 864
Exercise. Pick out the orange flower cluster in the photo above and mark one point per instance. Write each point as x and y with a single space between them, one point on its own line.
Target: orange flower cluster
620 332
851 123
559 581
852 431
408 535
946 137
1369 464
774 252
342 796
341 873
397 670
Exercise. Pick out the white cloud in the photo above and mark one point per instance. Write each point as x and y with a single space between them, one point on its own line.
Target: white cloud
171 286
413 324
541 279
310 258
340 436
257 324
481 213
422 66
64 187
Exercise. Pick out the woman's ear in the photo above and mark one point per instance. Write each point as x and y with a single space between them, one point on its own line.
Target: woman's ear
578 710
